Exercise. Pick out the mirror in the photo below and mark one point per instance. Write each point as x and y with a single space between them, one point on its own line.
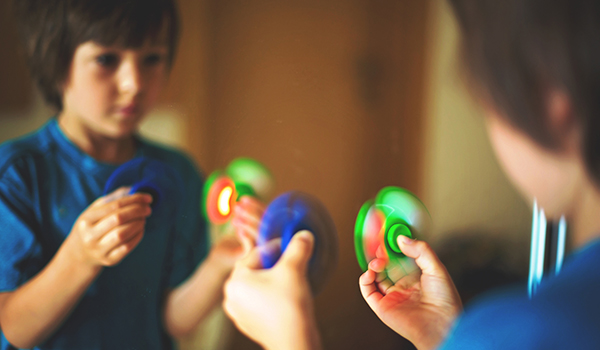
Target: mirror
339 99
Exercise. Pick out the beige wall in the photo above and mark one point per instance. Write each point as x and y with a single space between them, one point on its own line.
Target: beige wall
465 189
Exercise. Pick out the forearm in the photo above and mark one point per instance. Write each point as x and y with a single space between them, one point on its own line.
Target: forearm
308 339
301 333
187 305
35 310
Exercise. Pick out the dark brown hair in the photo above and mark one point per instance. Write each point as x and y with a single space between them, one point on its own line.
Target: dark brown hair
52 29
514 51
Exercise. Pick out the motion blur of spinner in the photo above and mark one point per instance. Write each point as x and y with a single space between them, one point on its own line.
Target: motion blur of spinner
394 212
150 176
286 215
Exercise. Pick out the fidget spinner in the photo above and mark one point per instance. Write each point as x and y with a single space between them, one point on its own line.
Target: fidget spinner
290 213
394 212
150 176
222 189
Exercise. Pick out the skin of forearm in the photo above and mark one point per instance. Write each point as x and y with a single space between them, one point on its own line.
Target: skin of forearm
306 339
191 302
31 313
301 335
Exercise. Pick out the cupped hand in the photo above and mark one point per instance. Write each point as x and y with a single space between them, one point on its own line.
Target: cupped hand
421 306
109 229
274 306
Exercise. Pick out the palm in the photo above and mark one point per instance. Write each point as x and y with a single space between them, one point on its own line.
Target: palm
420 306
414 308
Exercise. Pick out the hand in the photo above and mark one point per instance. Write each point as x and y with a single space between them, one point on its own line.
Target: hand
109 229
423 305
224 253
274 306
247 215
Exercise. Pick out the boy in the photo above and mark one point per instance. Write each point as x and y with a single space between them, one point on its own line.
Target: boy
536 68
110 275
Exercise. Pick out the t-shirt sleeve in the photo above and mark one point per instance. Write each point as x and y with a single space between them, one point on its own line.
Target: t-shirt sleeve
20 251
191 243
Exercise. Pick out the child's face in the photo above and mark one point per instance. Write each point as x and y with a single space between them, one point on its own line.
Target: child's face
549 176
110 89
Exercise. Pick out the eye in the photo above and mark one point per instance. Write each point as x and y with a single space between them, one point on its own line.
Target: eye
153 59
107 60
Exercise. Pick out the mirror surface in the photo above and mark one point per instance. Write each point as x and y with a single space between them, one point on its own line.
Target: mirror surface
338 98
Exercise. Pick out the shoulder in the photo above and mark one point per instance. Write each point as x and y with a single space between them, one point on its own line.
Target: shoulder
496 321
19 156
564 313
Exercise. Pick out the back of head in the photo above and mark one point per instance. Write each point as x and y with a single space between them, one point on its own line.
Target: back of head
517 51
51 30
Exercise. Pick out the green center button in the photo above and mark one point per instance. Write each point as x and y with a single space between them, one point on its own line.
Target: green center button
393 233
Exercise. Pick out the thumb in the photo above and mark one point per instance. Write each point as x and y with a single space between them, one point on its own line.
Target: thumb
299 250
116 194
246 242
424 256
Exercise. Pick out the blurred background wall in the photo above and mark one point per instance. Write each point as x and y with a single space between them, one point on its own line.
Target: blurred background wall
339 98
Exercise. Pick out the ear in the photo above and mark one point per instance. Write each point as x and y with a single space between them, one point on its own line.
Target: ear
562 122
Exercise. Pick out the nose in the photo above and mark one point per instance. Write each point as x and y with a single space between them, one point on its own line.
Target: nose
130 77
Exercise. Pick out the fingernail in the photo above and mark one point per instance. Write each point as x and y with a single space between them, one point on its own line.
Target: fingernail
405 240
305 235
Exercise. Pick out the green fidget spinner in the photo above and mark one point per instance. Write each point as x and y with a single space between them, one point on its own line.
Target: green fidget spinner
394 212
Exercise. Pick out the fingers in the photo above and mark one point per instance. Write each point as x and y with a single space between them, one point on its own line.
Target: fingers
247 215
243 229
377 265
122 216
382 281
296 255
117 194
298 252
368 288
252 206
424 256
100 209
253 259
121 251
122 234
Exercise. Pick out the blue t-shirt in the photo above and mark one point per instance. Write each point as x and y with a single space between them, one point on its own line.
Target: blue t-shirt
46 182
564 313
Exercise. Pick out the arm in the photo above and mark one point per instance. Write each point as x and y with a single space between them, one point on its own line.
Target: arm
421 306
274 306
27 317
190 303
102 236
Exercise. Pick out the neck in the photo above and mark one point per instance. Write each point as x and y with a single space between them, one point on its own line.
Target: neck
584 219
96 145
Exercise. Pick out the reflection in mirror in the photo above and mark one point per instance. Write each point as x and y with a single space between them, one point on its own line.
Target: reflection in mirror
337 99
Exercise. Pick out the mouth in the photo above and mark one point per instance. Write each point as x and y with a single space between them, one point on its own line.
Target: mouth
129 110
